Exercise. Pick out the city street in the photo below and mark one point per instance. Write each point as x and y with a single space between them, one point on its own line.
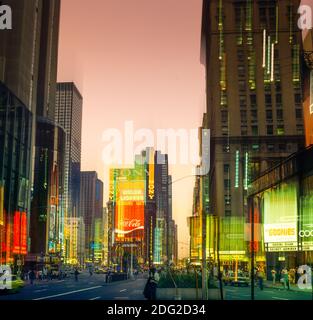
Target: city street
87 288
244 293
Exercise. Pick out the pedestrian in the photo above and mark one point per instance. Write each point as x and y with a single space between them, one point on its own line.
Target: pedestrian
76 273
260 276
273 272
151 285
285 278
32 276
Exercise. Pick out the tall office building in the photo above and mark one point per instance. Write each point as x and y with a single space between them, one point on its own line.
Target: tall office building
28 57
47 210
91 208
68 114
251 52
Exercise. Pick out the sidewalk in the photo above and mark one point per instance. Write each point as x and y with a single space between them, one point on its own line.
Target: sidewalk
280 286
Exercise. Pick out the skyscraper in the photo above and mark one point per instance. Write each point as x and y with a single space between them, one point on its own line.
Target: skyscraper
28 55
68 114
91 208
253 86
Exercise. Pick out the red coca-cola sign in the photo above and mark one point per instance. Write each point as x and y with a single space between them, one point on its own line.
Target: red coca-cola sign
129 218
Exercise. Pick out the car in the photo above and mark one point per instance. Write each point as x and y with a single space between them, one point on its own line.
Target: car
15 285
241 281
100 271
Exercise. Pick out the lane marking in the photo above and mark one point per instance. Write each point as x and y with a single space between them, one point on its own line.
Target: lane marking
123 290
279 298
121 298
68 293
96 298
41 290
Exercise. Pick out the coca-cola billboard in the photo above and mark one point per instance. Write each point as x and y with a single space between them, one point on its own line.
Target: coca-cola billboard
129 201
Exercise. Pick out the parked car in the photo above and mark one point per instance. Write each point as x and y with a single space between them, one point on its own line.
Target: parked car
242 279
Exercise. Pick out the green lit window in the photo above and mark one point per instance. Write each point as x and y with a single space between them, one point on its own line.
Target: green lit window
280 130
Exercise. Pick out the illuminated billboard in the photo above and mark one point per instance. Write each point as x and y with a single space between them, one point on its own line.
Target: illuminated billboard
1 205
20 233
127 191
280 215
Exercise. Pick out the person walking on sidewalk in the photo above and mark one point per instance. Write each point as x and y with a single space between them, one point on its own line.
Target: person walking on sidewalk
285 278
260 276
273 276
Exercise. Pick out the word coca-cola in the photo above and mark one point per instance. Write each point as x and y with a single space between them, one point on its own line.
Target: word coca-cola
131 223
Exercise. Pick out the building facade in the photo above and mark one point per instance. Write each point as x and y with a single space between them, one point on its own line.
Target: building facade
254 98
91 205
68 114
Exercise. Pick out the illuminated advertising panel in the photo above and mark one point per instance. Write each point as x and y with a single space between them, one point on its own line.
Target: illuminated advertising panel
1 205
23 233
17 232
280 214
20 233
232 237
128 194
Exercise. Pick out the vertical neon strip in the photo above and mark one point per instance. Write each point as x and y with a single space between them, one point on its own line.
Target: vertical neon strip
246 180
272 62
277 23
237 169
264 49
269 48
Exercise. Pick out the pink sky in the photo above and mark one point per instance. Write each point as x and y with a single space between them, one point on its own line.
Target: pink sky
135 60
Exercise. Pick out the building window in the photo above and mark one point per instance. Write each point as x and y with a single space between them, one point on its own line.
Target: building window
224 115
225 130
278 98
269 115
298 98
255 147
243 114
242 101
299 129
282 147
254 114
227 199
242 85
226 148
270 147
268 99
255 130
280 130
244 130
226 168
299 113
270 130
226 184
253 100
227 213
280 114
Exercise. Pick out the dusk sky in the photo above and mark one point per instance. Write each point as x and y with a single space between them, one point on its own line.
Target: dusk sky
135 60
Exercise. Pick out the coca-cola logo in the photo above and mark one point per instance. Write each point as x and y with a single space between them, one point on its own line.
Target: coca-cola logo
131 223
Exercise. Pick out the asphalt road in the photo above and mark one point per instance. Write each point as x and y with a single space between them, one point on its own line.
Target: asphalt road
94 288
87 288
244 293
